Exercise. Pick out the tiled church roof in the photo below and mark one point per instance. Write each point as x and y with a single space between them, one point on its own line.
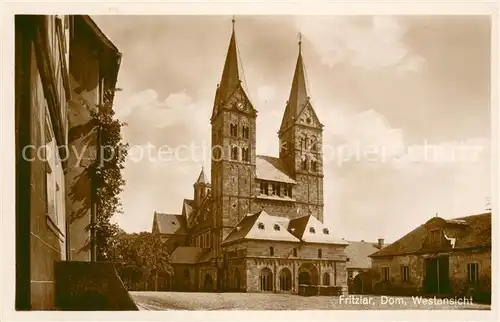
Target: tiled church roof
262 226
186 255
272 169
170 223
476 233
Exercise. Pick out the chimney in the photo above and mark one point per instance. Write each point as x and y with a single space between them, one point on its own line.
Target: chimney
380 243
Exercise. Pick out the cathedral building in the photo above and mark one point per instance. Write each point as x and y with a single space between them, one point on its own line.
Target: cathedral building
257 224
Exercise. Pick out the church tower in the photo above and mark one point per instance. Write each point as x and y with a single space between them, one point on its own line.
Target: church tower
233 149
201 188
300 138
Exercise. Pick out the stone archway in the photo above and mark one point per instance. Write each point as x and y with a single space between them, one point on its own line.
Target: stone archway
285 278
208 283
266 280
236 279
308 274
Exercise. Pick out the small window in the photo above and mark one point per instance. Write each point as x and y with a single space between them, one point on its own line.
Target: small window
314 165
271 251
275 189
245 154
472 272
233 129
326 231
246 132
276 227
405 273
264 188
295 252
435 236
234 153
304 163
312 230
320 253
260 225
385 274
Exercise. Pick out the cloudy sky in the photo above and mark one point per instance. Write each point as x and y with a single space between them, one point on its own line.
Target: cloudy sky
404 101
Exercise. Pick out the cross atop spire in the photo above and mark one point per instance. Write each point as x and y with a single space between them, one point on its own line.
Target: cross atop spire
300 42
298 93
230 75
233 21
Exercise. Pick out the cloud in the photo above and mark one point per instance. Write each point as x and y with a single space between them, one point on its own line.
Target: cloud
370 43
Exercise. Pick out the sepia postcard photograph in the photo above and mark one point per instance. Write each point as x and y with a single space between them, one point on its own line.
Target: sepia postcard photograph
239 162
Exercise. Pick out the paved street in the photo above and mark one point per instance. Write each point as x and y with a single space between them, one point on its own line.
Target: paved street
259 301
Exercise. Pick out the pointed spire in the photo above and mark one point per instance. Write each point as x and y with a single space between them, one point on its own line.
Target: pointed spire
298 94
298 98
202 178
230 76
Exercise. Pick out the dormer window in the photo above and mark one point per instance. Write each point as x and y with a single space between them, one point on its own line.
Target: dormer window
312 230
276 227
173 222
326 231
435 236
260 225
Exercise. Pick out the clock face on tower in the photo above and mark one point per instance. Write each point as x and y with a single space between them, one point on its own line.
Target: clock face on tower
240 105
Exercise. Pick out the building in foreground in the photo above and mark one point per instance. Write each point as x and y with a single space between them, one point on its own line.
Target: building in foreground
257 225
62 66
447 257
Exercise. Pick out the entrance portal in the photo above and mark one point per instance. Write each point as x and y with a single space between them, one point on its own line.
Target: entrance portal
208 284
437 278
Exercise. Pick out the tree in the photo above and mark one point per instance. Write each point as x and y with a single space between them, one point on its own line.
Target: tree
143 257
107 178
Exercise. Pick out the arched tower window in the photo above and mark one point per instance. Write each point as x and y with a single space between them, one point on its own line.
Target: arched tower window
233 129
314 165
304 163
245 131
234 153
245 154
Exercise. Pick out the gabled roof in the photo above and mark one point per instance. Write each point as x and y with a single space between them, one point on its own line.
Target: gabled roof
260 226
359 253
170 223
187 207
294 230
476 233
271 169
186 255
311 230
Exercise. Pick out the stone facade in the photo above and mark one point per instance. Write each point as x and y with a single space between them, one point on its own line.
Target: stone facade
445 257
242 183
252 257
45 192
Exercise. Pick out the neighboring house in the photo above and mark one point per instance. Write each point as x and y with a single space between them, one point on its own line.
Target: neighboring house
48 55
359 263
257 225
449 257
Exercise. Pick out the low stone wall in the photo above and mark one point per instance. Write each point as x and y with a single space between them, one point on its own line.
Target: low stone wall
87 286
318 290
